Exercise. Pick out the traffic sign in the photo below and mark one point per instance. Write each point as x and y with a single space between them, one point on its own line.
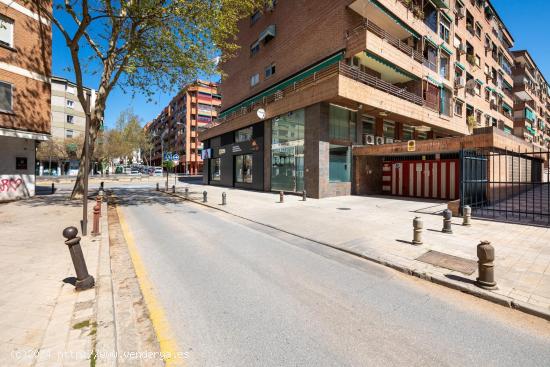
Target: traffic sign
168 156
175 157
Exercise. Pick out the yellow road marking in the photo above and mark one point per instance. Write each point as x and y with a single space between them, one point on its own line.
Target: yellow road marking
168 345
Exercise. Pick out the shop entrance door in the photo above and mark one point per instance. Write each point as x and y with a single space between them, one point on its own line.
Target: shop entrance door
287 168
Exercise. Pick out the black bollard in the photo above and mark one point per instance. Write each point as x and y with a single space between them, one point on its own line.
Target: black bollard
83 279
53 188
304 195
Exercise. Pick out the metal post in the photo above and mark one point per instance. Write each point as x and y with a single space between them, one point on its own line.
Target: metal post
53 188
418 225
281 197
98 201
486 266
224 198
85 178
447 216
102 186
467 216
95 228
304 195
83 279
158 186
173 189
204 196
186 192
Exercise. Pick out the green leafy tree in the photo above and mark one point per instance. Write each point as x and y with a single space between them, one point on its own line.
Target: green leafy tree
143 45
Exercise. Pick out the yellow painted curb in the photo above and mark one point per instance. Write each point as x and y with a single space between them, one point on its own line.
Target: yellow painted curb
172 354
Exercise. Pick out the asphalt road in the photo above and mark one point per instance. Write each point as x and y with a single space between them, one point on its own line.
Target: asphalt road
239 294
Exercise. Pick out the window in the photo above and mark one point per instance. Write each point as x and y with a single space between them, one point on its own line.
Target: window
408 132
469 22
444 65
368 125
430 16
243 168
254 80
269 71
445 102
70 119
342 123
69 133
254 48
243 135
477 88
445 29
487 94
70 103
430 56
389 129
459 107
215 169
6 97
339 163
6 31
478 117
478 30
255 17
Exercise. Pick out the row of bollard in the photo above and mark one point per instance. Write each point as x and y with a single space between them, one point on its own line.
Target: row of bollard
485 251
282 196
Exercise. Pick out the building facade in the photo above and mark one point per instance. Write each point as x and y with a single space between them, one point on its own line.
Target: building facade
177 127
313 80
532 101
25 69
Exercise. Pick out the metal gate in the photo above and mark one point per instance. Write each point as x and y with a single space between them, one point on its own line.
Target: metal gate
506 186
434 179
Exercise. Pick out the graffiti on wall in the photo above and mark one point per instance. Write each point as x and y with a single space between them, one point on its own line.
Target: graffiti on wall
10 184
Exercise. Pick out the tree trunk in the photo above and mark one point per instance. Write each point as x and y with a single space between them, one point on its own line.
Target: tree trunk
78 188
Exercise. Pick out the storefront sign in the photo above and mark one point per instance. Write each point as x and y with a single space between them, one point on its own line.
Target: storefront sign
236 149
221 151
411 145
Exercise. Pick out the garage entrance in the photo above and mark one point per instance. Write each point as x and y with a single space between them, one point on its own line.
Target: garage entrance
436 179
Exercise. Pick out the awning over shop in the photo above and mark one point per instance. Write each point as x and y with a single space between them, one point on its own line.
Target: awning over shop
395 18
282 85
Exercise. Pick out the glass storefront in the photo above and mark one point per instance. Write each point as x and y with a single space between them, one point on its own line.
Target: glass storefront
287 152
339 163
243 168
215 169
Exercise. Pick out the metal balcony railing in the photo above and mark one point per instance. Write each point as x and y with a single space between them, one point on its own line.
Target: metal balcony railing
394 41
339 68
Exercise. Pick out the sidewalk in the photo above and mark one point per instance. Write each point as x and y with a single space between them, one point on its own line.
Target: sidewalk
43 320
380 229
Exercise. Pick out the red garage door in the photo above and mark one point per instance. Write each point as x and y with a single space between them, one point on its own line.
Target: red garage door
422 179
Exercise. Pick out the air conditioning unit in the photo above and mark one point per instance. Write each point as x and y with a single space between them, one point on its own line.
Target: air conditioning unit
389 140
368 139
461 13
462 49
460 82
379 140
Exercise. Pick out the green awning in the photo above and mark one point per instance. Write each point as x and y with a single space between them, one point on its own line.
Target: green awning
529 114
432 42
507 130
282 85
500 94
396 19
441 3
460 2
433 81
446 49
447 16
531 130
391 65
216 95
479 81
506 107
489 89
460 65
508 86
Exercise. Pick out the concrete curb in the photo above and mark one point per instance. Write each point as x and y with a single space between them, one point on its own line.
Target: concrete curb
434 278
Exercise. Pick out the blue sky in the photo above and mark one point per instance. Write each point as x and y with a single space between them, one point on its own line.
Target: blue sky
527 20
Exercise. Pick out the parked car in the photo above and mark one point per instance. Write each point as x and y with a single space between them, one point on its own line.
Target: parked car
158 171
134 172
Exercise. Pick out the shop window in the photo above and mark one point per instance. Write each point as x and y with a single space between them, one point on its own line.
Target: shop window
243 135
288 128
342 123
215 169
339 163
6 97
243 168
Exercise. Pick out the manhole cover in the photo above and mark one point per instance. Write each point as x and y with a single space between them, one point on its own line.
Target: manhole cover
343 208
191 212
450 262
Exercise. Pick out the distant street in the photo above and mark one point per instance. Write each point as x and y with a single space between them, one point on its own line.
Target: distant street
239 294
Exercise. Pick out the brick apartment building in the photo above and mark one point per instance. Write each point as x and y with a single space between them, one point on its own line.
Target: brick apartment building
532 103
177 127
327 92
68 121
25 69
